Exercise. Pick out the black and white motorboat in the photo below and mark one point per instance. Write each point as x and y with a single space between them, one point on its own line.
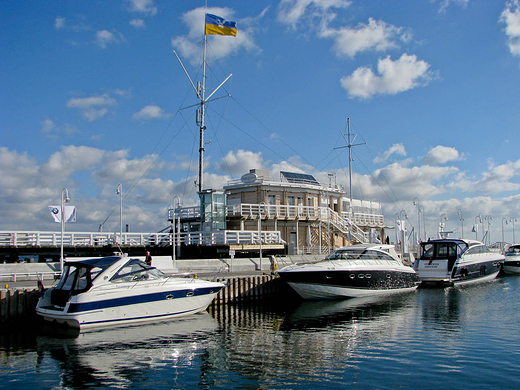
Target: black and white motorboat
351 272
512 261
121 290
457 261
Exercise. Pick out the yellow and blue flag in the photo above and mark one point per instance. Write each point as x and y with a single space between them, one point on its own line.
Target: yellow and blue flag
218 26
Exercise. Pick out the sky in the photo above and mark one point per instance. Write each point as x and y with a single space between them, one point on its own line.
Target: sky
93 96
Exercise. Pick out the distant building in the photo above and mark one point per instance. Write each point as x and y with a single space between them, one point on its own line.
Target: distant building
294 214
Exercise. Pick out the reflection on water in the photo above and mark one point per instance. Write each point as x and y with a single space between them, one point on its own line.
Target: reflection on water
451 337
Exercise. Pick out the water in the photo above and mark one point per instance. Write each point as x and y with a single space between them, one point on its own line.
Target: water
453 338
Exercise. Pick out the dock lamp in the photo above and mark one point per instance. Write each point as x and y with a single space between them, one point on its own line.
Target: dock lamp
64 199
119 191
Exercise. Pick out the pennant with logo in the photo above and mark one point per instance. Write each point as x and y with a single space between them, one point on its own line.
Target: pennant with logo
68 211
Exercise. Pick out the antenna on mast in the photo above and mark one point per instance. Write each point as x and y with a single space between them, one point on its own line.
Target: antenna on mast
348 139
200 90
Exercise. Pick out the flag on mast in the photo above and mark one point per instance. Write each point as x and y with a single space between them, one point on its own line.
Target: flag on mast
215 25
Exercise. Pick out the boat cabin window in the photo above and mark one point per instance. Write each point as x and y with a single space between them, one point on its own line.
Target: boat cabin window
76 279
440 250
135 270
475 250
513 251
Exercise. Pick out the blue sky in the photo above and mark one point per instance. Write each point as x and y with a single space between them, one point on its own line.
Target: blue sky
92 96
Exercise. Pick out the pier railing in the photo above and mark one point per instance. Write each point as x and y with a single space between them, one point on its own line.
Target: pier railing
77 239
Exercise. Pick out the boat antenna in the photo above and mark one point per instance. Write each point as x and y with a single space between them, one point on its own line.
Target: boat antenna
349 140
200 90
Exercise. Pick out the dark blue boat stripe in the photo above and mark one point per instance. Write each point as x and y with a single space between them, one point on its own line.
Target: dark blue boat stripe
137 299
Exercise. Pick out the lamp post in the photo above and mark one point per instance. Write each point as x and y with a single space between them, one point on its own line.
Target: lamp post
513 220
416 203
502 246
174 241
441 224
64 199
488 218
459 212
403 235
119 191
421 210
480 221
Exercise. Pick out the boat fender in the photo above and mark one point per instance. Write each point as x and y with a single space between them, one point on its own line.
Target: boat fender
274 264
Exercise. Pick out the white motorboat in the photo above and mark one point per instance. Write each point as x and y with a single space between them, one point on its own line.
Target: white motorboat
121 290
457 261
512 261
351 272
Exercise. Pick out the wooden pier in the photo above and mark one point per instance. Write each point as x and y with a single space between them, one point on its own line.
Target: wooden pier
18 305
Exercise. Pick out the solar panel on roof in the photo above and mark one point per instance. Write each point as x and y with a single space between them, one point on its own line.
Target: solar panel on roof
302 178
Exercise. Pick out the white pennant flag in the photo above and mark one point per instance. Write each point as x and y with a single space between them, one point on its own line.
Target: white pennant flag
68 211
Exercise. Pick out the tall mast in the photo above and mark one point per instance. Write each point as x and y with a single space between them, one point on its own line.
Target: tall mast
349 145
201 122
200 90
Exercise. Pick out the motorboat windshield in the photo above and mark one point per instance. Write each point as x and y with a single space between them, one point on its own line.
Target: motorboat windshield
360 254
513 250
136 270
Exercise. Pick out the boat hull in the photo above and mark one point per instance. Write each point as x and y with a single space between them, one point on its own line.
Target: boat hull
437 273
106 308
335 284
512 266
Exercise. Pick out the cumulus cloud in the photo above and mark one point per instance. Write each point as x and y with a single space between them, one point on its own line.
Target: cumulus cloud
441 155
446 3
93 107
105 37
511 18
138 23
394 149
392 77
376 35
59 23
292 12
498 179
221 46
150 112
239 162
146 7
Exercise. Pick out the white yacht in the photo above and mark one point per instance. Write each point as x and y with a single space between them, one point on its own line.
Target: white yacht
351 272
121 290
457 261
512 261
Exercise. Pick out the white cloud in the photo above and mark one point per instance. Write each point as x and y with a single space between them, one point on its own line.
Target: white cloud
441 155
376 35
394 149
446 3
292 12
392 77
146 7
138 23
239 162
511 17
93 107
59 23
150 112
188 46
105 37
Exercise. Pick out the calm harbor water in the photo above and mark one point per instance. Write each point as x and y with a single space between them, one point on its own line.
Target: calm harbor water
452 338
